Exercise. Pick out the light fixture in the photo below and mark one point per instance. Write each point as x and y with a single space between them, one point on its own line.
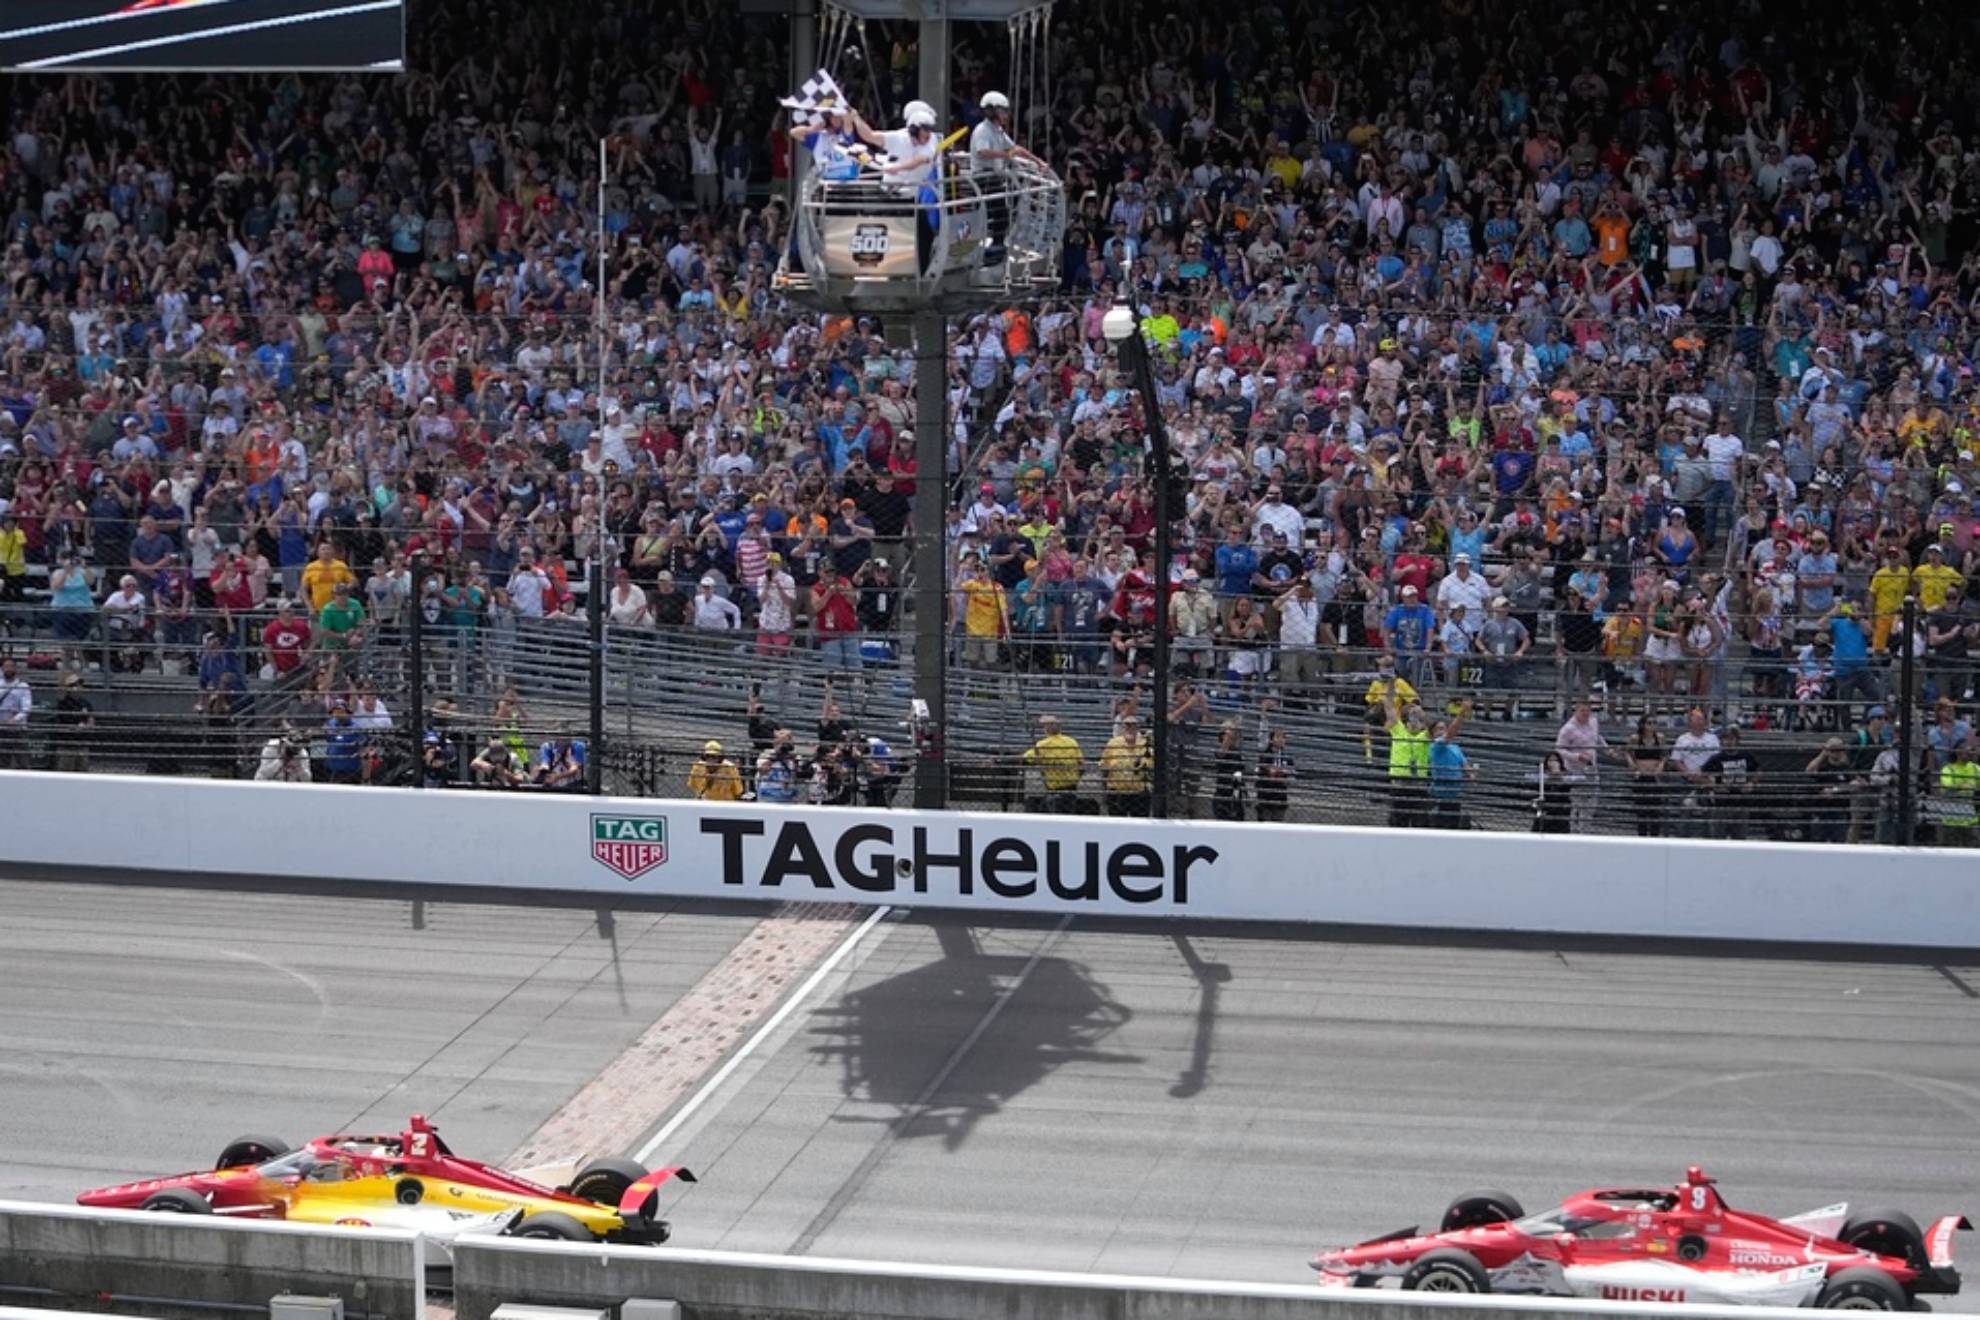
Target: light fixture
1118 323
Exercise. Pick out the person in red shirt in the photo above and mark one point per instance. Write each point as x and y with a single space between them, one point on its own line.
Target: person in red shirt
232 591
286 639
835 620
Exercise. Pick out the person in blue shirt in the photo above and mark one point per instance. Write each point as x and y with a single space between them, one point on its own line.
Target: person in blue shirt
343 746
830 142
1237 560
1409 625
1449 769
1849 656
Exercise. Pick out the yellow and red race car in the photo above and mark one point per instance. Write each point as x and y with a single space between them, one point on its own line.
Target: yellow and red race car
409 1180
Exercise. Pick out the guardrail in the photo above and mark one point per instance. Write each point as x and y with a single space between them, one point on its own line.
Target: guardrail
76 1255
721 1285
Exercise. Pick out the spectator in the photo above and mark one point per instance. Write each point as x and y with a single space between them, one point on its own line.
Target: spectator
1832 783
75 717
343 746
16 705
1734 774
1273 781
560 765
1409 627
1060 765
1579 746
1127 766
496 765
835 621
322 576
1409 763
1449 770
1959 784
341 620
714 777
284 759
777 770
126 625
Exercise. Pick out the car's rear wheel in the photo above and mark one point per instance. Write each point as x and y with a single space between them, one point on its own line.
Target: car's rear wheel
251 1150
1477 1209
1447 1270
177 1201
1863 1289
553 1226
1888 1233
605 1181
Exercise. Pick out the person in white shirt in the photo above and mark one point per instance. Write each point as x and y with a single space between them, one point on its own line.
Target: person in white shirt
626 607
1273 514
16 698
992 149
368 712
1693 748
713 613
529 586
776 618
1462 586
913 164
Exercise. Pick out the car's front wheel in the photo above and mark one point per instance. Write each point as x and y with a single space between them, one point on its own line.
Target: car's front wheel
1447 1270
553 1226
1862 1289
177 1201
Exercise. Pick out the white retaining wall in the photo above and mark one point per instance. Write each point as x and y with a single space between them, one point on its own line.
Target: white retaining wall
998 863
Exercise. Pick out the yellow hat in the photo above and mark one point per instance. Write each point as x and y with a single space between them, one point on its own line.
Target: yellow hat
711 748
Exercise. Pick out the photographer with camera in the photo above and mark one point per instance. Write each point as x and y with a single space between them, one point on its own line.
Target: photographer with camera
777 769
284 759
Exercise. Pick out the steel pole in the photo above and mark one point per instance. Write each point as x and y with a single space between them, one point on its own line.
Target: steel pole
1907 703
594 619
1135 350
804 63
931 484
416 670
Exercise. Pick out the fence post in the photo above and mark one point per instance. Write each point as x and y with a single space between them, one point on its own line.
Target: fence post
416 669
1907 702
594 612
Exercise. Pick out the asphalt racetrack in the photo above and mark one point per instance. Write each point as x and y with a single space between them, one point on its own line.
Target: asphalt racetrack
1215 1105
202 34
1210 1103
144 1028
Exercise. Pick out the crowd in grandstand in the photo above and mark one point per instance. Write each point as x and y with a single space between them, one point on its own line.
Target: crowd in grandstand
1644 370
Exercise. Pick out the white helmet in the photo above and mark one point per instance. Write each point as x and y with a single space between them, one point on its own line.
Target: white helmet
995 101
919 113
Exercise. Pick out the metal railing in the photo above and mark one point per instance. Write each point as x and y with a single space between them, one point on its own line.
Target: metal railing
157 707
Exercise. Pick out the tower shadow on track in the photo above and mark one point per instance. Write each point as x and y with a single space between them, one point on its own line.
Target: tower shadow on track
917 1041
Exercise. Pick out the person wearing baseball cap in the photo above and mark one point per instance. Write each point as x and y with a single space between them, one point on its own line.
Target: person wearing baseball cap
1409 628
714 777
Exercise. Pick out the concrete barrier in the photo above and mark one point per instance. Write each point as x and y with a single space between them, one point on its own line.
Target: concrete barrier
75 1254
718 1285
1052 865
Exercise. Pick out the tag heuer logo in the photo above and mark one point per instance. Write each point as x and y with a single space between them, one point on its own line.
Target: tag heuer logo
630 845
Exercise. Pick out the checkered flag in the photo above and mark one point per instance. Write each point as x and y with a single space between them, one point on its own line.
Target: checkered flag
819 90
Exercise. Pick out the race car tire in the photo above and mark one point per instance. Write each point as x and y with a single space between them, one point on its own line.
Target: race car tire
409 1191
1447 1270
1888 1233
1864 1288
177 1201
251 1150
1477 1209
552 1225
605 1181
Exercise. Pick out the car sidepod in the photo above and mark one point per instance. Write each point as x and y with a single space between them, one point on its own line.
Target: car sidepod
1674 1281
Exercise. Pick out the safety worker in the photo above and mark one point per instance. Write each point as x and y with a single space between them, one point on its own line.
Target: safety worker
713 777
992 148
1959 783
1060 764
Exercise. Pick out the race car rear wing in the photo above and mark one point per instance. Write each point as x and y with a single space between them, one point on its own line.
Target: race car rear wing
1940 1276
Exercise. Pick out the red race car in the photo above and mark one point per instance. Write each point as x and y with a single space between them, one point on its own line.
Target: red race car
406 1180
1681 1244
